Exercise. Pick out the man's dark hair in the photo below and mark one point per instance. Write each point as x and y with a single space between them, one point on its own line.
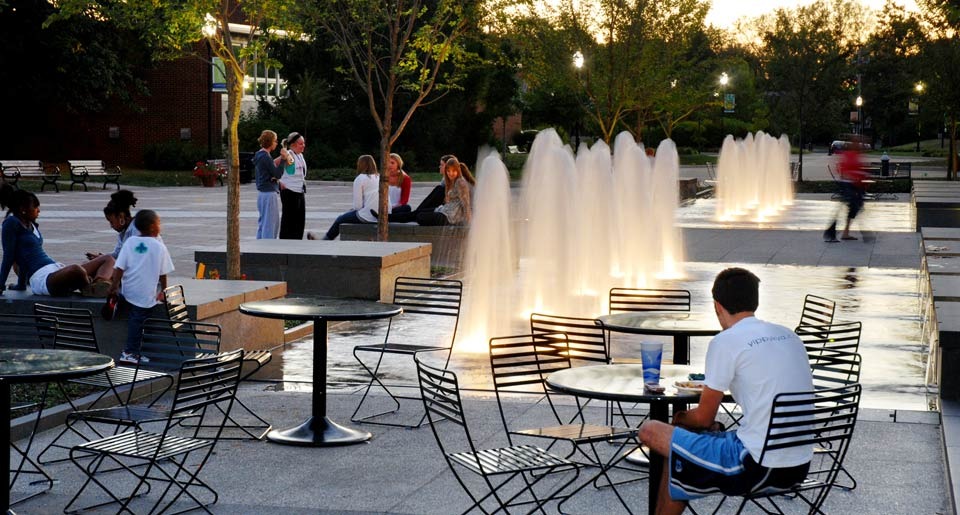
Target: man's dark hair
144 219
737 290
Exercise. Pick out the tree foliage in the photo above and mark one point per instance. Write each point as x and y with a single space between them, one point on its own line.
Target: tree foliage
401 55
174 27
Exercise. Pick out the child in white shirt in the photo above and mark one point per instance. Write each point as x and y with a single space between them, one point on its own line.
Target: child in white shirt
144 261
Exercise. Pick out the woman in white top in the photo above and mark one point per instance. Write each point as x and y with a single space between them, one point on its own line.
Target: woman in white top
293 189
366 195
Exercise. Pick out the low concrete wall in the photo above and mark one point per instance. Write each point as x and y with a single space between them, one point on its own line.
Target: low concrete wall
937 203
357 269
447 242
207 301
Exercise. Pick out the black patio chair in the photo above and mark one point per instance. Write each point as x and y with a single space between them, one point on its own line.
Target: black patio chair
817 311
500 468
520 364
167 349
432 298
75 331
823 418
830 369
840 336
587 341
166 456
648 299
175 303
586 338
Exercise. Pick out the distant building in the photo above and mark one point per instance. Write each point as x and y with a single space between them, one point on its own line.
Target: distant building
180 107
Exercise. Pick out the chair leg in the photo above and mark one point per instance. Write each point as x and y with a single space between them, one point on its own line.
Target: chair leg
394 398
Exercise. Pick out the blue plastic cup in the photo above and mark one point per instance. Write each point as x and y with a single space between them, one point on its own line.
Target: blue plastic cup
651 354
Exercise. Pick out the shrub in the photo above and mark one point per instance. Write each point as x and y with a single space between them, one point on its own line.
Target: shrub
171 154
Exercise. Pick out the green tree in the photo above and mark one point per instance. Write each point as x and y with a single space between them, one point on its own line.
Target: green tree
176 26
890 69
940 62
805 59
632 52
401 55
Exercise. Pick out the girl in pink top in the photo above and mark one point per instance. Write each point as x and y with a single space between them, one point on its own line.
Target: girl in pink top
400 184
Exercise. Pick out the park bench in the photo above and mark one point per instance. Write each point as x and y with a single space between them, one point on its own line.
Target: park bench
12 172
80 171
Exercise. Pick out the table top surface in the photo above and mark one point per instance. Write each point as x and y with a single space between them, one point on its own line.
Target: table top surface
320 308
41 365
622 382
666 323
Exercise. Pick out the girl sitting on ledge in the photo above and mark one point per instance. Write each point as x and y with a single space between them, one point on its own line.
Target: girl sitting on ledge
23 247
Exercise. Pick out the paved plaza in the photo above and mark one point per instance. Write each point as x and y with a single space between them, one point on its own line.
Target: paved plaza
897 453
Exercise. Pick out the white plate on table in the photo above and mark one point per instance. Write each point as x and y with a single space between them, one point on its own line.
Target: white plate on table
689 386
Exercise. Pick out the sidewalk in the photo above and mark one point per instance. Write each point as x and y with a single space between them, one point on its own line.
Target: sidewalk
897 460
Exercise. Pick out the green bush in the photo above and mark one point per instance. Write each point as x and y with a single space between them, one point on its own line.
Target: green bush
172 154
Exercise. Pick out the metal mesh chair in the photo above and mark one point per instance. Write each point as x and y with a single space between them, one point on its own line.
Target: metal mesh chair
823 418
520 364
648 299
434 298
817 311
586 337
167 348
175 303
498 467
75 331
841 336
830 369
165 456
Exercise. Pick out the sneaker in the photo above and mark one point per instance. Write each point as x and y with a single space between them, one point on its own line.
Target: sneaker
129 358
143 359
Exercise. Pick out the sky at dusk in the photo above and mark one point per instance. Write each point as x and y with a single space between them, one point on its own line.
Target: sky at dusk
724 12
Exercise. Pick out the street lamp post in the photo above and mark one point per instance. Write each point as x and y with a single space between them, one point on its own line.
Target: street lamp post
919 89
859 103
724 79
578 64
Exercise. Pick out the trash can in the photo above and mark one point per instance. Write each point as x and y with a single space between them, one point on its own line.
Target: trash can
246 167
884 165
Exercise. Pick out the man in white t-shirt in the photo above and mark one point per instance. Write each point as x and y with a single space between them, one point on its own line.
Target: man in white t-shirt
143 263
755 361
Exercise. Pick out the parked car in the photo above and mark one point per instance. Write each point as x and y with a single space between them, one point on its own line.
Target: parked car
839 145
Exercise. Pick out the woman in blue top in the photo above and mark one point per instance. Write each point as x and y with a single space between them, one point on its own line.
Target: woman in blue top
268 173
23 247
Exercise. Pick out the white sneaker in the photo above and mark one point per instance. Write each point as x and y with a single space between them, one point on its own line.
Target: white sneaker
129 358
144 359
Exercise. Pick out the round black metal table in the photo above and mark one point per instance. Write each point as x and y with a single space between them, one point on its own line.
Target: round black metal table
38 366
624 383
680 325
319 430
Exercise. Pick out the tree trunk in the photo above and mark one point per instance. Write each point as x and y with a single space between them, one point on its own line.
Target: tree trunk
383 221
952 160
234 95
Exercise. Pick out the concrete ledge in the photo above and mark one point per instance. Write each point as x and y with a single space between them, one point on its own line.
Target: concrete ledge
950 427
356 269
214 302
447 242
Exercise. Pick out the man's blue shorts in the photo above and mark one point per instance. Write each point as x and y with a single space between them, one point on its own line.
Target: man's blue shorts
706 463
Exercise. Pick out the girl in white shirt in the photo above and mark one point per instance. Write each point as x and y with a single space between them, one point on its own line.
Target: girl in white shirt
293 190
366 195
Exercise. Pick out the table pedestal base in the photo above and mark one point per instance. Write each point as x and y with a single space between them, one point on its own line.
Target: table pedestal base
318 432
